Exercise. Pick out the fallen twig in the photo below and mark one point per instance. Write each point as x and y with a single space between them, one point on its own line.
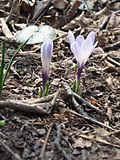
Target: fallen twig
112 133
57 143
40 100
11 14
101 12
113 61
15 10
80 99
89 119
80 111
45 143
113 46
39 105
78 108
55 97
99 140
10 151
6 30
18 105
104 23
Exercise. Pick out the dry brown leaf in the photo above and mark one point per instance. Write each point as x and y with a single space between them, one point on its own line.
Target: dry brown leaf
72 11
6 30
82 143
40 6
81 21
27 7
117 155
15 10
60 4
55 21
109 113
55 81
98 50
100 132
109 81
112 21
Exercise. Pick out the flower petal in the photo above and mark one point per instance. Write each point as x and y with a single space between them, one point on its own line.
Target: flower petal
80 39
92 36
71 37
86 49
76 50
46 54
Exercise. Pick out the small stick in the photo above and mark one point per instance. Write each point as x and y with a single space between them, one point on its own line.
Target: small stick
112 133
57 143
40 105
101 12
53 101
77 107
13 15
6 30
112 46
45 143
3 135
89 119
82 113
104 23
40 100
80 99
10 151
100 141
54 98
18 105
113 61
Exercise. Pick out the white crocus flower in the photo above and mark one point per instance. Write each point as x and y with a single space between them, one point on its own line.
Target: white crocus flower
82 48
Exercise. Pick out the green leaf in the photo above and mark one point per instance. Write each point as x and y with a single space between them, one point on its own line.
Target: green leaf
13 56
47 88
2 74
40 92
2 123
75 86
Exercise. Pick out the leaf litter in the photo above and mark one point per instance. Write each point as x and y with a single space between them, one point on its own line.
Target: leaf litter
59 131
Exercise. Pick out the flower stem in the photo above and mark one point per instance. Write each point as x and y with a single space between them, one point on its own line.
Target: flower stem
45 78
80 67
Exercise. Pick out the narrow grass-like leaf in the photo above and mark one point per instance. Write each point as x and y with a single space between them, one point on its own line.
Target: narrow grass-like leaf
75 86
40 92
12 58
47 88
3 76
2 66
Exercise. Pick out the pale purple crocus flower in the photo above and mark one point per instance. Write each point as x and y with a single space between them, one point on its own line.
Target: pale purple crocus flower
46 54
82 49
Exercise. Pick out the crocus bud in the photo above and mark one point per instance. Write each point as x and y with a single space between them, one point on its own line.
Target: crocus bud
46 54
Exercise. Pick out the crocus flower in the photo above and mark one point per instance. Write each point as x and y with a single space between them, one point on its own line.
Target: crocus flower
46 54
81 48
